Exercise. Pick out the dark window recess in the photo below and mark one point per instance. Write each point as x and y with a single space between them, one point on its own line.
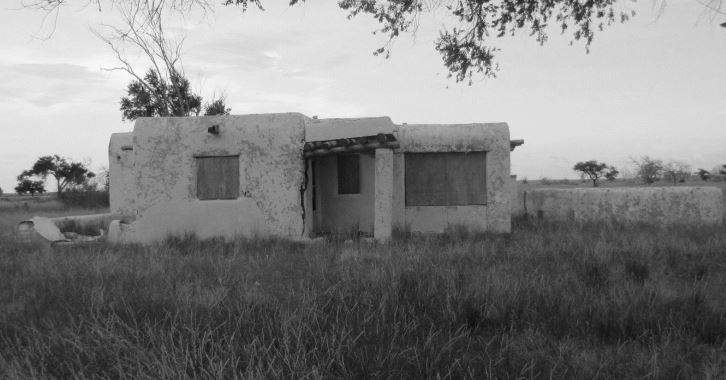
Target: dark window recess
218 177
445 179
349 174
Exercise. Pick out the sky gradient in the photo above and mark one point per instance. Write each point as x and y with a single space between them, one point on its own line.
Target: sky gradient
655 85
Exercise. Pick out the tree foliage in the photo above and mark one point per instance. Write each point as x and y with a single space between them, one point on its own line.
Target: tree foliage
676 171
27 185
217 107
648 170
155 97
466 42
703 174
467 38
66 172
163 90
596 170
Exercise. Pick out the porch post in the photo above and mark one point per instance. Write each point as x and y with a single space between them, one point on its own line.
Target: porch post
383 198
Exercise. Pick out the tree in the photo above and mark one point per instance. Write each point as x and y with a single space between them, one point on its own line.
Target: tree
156 97
217 107
163 90
676 171
27 185
647 169
1 191
703 174
596 170
66 173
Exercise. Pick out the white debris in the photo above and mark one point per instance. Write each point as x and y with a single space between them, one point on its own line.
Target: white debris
47 229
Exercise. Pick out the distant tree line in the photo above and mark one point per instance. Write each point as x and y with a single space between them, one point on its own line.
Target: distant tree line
648 171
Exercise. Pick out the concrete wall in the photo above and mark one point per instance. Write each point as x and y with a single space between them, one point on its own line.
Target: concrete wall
345 212
493 138
270 163
122 190
658 205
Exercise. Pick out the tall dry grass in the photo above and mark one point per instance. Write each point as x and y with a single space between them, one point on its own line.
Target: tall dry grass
547 301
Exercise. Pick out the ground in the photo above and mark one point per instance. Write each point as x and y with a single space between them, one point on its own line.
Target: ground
548 300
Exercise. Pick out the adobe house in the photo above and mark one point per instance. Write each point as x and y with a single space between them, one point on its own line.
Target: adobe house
292 176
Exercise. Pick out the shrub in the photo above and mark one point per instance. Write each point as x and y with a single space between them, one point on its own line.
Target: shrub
648 170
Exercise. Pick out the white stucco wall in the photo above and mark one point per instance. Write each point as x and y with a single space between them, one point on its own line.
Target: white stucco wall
270 163
657 205
207 219
493 138
122 192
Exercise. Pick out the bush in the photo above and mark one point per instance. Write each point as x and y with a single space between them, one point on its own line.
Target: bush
648 170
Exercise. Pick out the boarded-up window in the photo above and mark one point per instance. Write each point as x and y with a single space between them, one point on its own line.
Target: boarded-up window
349 174
445 179
218 177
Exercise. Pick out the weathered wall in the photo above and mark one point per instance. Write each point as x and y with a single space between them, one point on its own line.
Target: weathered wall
270 163
492 138
207 219
122 191
345 212
658 205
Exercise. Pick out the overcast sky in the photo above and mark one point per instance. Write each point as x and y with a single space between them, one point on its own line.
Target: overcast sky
655 85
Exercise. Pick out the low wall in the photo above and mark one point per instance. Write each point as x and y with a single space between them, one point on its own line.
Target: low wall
204 219
657 205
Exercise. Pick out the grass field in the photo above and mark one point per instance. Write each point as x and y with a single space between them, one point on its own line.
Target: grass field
548 301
